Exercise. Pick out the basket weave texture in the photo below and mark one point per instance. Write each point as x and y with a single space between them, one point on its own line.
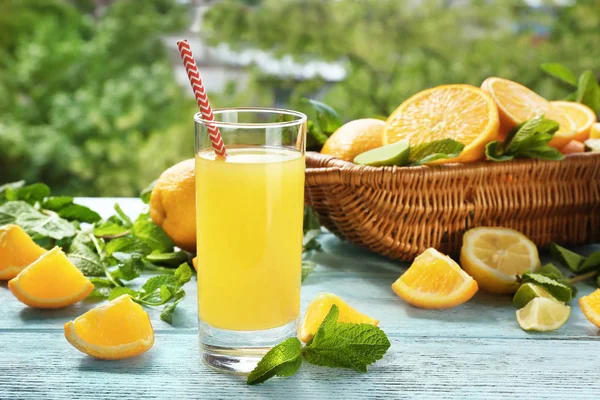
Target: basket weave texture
400 212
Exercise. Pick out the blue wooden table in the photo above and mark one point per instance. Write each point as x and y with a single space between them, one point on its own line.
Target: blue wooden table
476 350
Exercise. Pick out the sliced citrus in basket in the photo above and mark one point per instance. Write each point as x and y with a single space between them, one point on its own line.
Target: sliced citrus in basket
464 113
583 117
435 281
319 308
51 281
113 331
517 104
17 251
496 256
590 305
542 315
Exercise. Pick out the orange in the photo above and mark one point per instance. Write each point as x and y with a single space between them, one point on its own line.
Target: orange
354 138
319 308
464 113
435 281
517 104
51 281
573 147
194 260
17 251
583 117
590 305
113 331
173 204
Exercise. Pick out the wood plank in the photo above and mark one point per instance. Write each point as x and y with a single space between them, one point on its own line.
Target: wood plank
43 364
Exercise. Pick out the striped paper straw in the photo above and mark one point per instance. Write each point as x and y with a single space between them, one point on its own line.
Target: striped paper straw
198 89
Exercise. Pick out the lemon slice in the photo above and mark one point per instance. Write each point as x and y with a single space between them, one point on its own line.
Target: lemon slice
494 257
528 292
543 315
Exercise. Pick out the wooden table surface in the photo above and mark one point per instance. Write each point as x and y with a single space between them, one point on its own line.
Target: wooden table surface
474 351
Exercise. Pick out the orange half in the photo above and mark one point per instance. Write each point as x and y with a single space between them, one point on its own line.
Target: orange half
113 331
590 305
435 281
464 113
583 117
517 103
52 281
17 251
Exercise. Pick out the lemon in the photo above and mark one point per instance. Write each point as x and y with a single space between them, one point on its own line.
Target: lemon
319 308
355 137
528 292
543 315
494 257
595 131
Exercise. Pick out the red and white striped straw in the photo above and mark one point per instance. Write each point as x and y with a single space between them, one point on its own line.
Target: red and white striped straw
198 88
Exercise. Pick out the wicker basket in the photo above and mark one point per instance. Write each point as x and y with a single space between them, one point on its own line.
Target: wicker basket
399 212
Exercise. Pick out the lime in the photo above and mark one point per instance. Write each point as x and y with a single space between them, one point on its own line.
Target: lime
528 292
392 154
559 291
592 145
542 315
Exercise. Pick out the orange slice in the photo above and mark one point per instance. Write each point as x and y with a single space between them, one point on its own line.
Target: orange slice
17 251
113 331
590 305
583 117
52 281
435 281
464 113
517 104
319 308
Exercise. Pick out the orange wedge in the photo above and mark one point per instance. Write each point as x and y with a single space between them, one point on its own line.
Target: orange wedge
435 281
464 113
319 308
517 104
52 281
17 251
113 331
583 117
590 305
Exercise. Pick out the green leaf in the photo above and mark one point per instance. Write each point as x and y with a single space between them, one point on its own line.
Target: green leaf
172 259
183 274
128 245
494 152
101 282
284 359
567 258
591 263
30 194
588 91
147 192
165 293
108 229
152 234
315 139
310 242
121 290
157 281
99 294
559 291
167 313
38 224
12 185
130 268
345 345
327 118
79 213
561 72
57 202
311 222
307 268
425 153
84 258
9 212
551 271
124 218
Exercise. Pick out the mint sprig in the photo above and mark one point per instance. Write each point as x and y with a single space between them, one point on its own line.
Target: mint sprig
586 87
336 344
528 140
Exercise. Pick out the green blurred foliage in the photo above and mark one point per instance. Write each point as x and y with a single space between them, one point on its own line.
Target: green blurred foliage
393 49
88 101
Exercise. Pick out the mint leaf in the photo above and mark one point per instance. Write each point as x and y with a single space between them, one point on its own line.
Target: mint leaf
559 291
129 269
172 259
38 224
30 194
567 258
307 268
588 91
124 218
561 72
282 360
11 185
436 150
127 245
102 289
165 293
121 290
147 192
552 272
84 258
328 119
345 345
77 212
57 202
311 221
183 274
151 234
167 313
157 281
11 210
109 229
592 262
310 242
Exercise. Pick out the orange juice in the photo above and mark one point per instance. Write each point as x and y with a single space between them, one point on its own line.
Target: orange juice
249 210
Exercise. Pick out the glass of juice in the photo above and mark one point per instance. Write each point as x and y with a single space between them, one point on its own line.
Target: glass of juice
249 213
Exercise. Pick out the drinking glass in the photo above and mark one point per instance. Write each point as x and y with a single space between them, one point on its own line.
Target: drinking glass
249 213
